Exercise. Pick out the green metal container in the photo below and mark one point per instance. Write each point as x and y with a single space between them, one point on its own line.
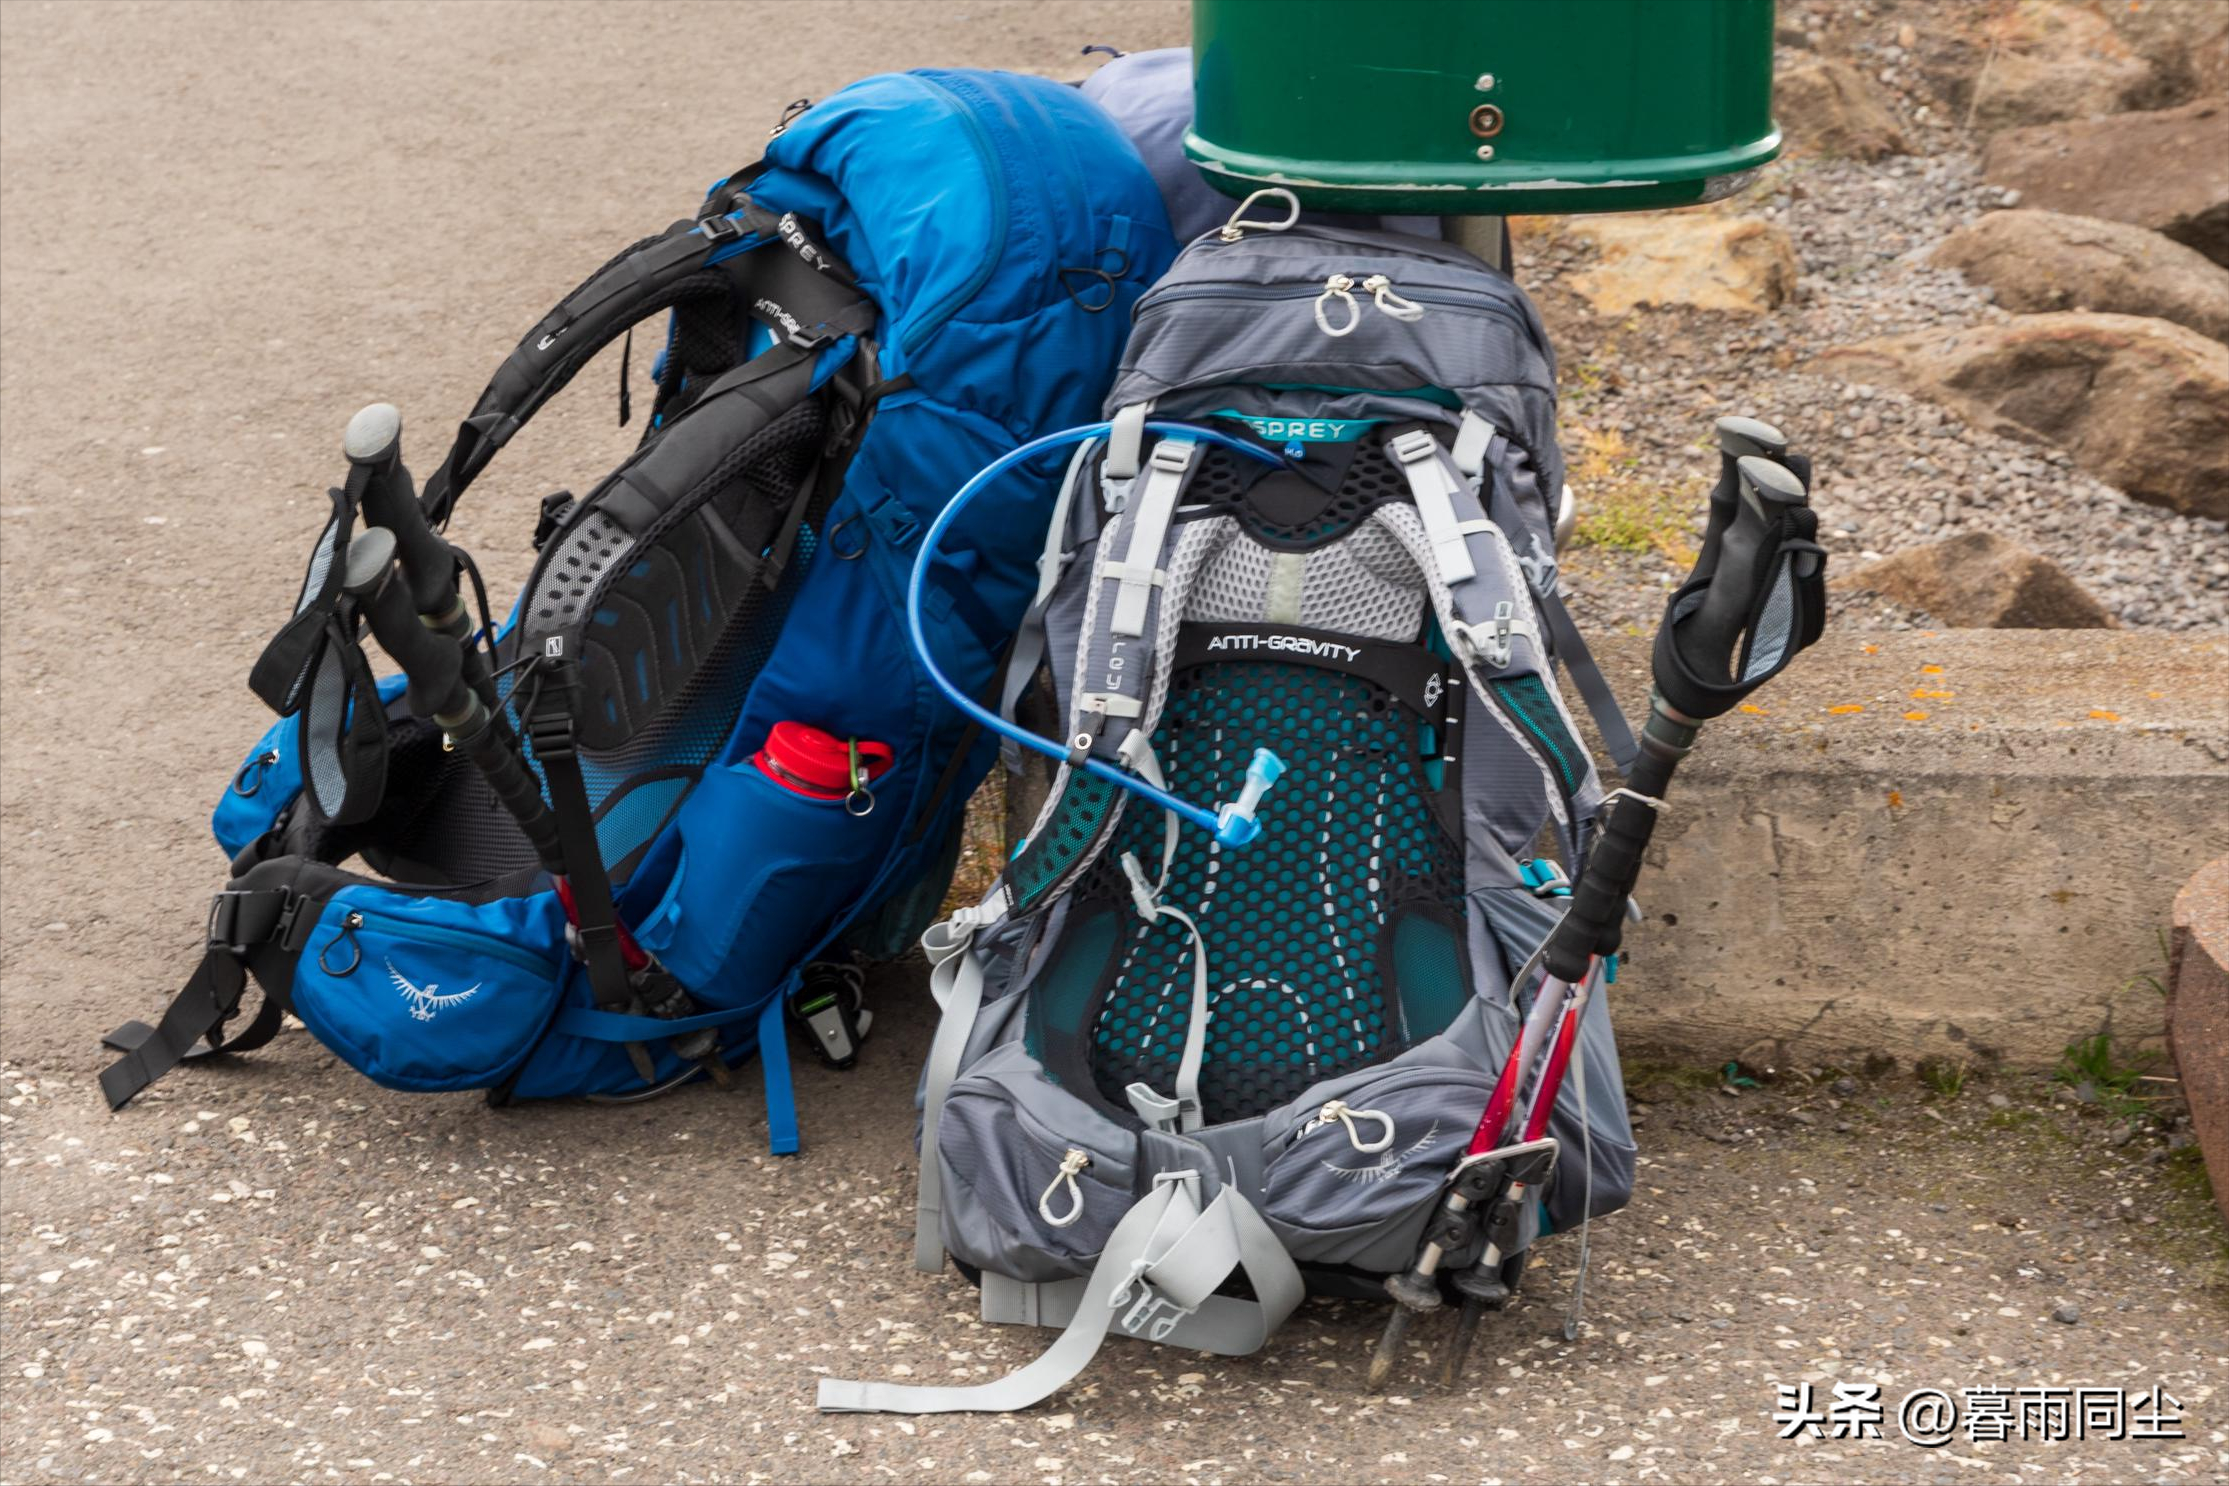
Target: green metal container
1483 107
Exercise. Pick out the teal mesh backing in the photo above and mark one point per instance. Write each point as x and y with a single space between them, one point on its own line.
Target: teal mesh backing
1048 855
1295 923
1526 700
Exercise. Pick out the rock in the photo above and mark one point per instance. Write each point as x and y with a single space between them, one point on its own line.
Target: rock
2041 261
1999 1101
2186 41
1981 581
2049 60
1828 108
2066 1315
1847 1087
1742 265
2167 170
2198 1017
2142 404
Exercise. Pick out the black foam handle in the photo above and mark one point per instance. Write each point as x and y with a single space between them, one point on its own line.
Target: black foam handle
1737 438
1595 924
374 442
1711 638
430 659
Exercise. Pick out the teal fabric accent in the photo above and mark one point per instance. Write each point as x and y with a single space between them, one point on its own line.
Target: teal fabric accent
1526 700
1060 1001
1047 856
1428 973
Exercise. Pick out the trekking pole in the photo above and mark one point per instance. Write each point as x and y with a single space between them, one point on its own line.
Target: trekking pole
1755 598
439 690
373 445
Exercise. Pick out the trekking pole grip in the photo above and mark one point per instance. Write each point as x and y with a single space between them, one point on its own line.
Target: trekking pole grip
1595 923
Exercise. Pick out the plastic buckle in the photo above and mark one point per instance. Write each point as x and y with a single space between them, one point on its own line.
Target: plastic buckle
551 733
832 1013
813 337
224 918
721 228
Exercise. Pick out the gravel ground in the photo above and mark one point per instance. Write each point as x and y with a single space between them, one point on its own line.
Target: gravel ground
279 1272
1893 471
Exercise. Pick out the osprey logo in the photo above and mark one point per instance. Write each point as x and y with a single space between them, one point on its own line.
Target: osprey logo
1297 644
1387 1166
1433 688
427 999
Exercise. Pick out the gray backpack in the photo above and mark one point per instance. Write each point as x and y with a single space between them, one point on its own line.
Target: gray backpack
1179 1085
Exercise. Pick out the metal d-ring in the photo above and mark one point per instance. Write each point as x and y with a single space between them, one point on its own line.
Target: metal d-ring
349 926
841 555
860 802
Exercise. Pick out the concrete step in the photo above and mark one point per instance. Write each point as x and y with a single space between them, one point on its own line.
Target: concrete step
2198 1015
1957 843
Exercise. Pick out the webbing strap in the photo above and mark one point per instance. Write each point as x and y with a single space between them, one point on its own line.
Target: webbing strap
1161 1265
1149 515
773 1062
1571 649
1472 436
1433 486
1029 641
956 980
209 999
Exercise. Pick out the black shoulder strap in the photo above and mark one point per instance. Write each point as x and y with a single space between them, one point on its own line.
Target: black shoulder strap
711 256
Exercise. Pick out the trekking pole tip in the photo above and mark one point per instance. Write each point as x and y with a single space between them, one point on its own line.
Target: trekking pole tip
373 433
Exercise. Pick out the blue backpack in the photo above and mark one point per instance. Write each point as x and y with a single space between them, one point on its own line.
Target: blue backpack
611 833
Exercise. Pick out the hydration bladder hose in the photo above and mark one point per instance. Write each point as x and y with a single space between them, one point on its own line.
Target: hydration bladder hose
1232 824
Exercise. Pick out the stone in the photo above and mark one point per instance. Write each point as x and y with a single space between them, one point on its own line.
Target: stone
1704 260
2198 1014
1979 580
2047 60
1826 107
2186 41
2066 1315
2140 403
2040 261
2167 170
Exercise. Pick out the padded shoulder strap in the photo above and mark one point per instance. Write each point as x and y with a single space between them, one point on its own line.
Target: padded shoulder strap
793 288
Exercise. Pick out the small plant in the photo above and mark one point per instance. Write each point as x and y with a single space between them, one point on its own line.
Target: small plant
1620 510
1945 1077
2098 1068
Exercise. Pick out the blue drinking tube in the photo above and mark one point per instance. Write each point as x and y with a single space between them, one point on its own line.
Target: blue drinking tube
1232 824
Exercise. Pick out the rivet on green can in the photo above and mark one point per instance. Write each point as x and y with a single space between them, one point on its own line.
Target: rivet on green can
1597 105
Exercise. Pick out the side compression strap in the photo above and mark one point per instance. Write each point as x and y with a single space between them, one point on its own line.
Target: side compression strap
956 981
1594 688
1161 1266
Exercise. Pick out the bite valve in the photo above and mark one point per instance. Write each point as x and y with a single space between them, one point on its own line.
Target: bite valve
1234 823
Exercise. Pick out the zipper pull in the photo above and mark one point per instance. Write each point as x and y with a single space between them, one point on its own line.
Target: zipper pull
1339 287
1237 226
1383 295
1071 1165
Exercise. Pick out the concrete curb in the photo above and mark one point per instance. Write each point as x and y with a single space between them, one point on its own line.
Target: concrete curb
1957 843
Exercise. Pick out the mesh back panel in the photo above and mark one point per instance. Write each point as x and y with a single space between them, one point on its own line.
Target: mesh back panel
1219 489
1049 854
1294 923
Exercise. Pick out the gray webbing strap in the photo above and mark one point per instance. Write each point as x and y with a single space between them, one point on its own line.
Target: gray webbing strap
1161 1266
1149 530
1146 898
1471 438
1571 649
956 980
1433 487
1126 440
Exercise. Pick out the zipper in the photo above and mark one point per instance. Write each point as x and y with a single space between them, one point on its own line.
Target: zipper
934 321
462 939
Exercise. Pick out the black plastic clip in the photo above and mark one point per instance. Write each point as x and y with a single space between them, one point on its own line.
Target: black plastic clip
829 1004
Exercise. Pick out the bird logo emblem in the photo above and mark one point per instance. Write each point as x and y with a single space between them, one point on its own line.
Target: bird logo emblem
427 999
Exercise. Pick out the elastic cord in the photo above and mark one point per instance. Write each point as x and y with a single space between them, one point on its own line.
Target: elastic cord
983 715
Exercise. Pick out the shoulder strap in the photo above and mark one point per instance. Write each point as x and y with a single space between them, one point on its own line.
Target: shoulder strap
792 290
